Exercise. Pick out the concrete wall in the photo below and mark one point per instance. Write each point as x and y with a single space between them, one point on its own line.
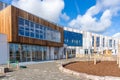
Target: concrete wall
4 52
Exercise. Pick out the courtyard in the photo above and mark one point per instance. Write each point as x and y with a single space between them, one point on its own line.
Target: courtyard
41 71
50 70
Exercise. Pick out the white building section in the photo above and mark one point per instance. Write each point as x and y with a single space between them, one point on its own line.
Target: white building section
4 52
104 44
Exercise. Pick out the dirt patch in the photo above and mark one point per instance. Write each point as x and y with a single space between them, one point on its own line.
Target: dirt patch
103 68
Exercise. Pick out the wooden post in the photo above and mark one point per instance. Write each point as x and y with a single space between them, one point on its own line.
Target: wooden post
17 65
8 65
66 54
118 55
119 62
95 60
95 49
95 43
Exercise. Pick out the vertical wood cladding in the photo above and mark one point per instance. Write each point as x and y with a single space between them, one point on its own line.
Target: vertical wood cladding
5 22
9 21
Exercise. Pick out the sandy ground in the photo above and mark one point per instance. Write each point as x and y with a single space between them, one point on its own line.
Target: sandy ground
103 68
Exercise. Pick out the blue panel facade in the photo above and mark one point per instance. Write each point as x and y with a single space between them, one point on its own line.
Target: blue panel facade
73 39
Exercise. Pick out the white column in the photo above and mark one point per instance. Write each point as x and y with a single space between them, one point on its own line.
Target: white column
60 52
20 49
52 52
48 54
30 52
42 54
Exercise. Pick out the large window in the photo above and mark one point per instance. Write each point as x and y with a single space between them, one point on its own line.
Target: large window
92 41
114 43
31 29
110 43
72 38
98 41
103 42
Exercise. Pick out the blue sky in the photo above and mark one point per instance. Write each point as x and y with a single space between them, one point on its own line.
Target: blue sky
99 16
72 10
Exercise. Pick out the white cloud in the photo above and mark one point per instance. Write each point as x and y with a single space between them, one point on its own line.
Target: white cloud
47 9
65 17
117 35
89 22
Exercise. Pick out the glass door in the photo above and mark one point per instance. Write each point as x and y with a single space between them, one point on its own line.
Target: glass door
23 53
73 52
33 53
28 55
44 53
12 53
39 53
17 52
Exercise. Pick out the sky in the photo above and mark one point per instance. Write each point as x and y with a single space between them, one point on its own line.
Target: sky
97 16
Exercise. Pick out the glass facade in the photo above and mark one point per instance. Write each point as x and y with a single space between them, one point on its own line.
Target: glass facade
31 29
26 53
72 38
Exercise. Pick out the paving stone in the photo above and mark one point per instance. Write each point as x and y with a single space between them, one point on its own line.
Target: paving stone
41 71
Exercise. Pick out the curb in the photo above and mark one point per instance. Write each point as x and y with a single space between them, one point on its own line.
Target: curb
84 75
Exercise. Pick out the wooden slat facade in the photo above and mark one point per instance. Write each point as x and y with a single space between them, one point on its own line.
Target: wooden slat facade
9 25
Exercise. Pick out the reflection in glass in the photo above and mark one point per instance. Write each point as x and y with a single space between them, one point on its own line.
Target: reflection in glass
31 29
26 53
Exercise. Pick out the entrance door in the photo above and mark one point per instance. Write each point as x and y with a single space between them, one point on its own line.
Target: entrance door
86 51
38 53
26 56
73 52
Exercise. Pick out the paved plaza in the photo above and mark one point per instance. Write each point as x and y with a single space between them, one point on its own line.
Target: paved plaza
41 71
